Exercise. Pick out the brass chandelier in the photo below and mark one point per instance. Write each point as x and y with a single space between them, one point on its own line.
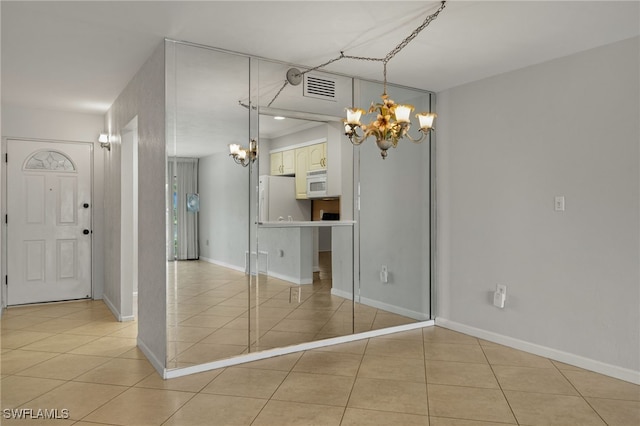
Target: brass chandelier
391 124
392 120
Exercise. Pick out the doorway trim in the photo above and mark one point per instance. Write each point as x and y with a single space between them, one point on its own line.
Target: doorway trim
129 220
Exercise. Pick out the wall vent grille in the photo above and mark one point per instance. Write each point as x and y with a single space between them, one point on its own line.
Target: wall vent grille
319 87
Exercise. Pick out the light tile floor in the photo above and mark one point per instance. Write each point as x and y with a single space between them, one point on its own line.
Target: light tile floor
209 312
429 376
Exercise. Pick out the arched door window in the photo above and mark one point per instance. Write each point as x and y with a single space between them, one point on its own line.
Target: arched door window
51 161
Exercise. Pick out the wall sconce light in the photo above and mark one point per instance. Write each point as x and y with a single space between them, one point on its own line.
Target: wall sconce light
244 156
105 141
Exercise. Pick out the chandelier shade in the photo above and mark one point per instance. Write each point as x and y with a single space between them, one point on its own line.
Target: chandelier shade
391 124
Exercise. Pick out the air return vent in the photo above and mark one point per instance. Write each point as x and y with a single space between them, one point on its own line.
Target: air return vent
319 87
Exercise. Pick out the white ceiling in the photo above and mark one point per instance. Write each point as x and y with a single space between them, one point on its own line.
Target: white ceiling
79 55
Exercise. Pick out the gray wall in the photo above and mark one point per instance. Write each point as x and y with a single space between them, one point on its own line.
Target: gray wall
506 146
307 135
143 97
394 224
224 203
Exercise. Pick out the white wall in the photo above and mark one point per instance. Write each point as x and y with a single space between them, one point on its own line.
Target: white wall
300 137
32 123
506 146
224 204
143 97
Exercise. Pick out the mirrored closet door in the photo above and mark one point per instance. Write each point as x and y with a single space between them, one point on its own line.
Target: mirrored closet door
298 236
207 202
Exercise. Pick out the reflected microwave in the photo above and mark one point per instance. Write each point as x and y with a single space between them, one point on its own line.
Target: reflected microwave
317 183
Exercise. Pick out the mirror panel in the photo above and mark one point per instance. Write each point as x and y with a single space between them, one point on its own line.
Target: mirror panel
241 277
394 220
294 303
207 290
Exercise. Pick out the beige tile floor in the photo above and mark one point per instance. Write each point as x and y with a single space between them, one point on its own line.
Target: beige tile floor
209 312
429 376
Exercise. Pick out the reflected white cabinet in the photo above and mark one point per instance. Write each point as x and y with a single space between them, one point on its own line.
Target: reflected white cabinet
302 166
307 158
317 156
283 163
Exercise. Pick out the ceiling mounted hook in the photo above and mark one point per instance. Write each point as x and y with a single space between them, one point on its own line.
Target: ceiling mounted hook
294 76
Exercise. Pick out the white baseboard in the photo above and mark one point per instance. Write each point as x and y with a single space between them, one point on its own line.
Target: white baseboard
554 354
384 306
341 293
270 353
290 279
111 306
116 313
270 273
157 364
225 264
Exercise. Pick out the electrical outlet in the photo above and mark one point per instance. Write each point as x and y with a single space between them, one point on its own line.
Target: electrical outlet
295 294
384 274
500 296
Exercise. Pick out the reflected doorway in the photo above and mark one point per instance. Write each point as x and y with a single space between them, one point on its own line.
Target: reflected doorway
129 220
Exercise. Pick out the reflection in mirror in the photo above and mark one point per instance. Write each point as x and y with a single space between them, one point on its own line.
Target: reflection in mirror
394 222
326 307
263 256
207 304
295 303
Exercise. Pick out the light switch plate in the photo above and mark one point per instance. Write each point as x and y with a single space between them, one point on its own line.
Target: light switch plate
559 203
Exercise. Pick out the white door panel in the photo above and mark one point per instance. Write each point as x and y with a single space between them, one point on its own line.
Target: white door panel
49 227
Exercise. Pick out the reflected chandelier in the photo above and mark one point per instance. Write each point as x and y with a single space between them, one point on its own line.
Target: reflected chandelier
244 156
392 120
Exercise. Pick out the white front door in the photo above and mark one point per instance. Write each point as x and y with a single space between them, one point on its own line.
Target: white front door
49 221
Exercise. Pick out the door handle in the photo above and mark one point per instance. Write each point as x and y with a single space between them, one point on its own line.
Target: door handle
85 205
85 231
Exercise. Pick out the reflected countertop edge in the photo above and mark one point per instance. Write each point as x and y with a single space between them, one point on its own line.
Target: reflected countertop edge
306 223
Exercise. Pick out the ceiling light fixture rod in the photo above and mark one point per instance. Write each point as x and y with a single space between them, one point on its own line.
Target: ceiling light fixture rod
295 77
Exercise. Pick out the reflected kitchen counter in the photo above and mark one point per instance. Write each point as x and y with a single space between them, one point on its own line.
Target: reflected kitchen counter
306 223
288 250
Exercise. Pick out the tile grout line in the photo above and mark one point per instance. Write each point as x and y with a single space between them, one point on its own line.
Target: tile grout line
355 379
499 384
426 376
66 381
579 393
277 387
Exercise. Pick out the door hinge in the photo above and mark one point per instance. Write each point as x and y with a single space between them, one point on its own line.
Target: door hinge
6 280
6 218
6 157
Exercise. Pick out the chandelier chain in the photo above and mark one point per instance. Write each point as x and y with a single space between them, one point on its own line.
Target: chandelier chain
286 83
384 60
413 35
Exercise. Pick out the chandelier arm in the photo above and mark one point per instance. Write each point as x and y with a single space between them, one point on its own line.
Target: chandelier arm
357 140
420 139
353 136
